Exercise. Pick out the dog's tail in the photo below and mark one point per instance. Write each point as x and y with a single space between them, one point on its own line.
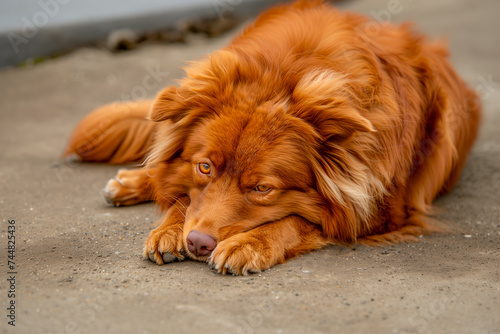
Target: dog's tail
115 133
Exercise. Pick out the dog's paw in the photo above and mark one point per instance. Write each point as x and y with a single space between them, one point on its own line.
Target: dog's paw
164 246
128 187
240 256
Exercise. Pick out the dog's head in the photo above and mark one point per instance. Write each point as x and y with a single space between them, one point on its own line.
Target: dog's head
247 155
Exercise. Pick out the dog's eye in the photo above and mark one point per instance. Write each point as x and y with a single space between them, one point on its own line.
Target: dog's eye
204 168
262 188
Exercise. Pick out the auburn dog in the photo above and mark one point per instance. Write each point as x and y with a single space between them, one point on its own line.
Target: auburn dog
313 126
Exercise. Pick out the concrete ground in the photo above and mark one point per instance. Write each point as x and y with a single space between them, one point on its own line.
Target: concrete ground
77 261
38 29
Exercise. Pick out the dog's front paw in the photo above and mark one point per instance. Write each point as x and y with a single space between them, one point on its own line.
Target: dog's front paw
128 187
240 255
164 245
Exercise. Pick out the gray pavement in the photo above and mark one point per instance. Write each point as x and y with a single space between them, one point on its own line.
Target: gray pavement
77 261
38 29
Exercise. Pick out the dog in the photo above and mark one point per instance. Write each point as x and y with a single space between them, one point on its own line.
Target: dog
313 126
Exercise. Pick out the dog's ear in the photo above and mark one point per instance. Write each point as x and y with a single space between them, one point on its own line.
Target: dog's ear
324 100
170 104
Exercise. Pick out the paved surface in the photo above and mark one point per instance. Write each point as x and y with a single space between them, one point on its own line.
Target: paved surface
34 29
77 260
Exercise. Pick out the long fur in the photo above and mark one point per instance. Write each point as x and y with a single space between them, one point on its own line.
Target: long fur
115 133
359 129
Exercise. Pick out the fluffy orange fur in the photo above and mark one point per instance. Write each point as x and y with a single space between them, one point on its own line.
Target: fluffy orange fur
313 127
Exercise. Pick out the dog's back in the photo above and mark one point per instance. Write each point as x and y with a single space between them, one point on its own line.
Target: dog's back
395 119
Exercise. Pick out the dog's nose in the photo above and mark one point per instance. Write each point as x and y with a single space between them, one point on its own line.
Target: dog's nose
200 244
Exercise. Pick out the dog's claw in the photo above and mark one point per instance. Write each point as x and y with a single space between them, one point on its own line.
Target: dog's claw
72 158
107 196
152 256
168 257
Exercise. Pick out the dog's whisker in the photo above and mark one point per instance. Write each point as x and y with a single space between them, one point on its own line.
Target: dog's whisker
347 136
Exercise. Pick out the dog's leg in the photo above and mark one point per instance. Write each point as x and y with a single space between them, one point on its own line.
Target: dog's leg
164 243
266 245
129 187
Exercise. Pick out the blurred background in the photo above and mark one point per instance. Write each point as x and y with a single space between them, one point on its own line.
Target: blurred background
32 30
80 266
